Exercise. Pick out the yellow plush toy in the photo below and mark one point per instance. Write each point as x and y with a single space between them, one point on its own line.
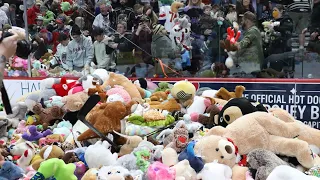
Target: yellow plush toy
183 92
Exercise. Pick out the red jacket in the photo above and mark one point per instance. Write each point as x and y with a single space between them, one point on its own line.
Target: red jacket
32 15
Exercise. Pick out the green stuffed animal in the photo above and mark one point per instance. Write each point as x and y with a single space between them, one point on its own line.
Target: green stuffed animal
65 6
164 86
143 158
55 168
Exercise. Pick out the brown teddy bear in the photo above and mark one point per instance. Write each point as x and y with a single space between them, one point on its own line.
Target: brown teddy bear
106 118
224 94
48 152
212 119
48 115
99 90
70 157
74 102
159 97
170 105
263 130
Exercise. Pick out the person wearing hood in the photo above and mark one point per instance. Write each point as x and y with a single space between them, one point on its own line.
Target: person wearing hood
162 48
33 13
80 51
48 16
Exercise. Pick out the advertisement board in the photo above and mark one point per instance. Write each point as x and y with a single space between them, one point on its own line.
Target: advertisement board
299 98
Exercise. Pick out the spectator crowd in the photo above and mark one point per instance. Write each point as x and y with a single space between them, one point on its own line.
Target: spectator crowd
169 38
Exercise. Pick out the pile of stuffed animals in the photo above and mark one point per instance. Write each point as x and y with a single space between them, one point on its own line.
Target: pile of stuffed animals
167 131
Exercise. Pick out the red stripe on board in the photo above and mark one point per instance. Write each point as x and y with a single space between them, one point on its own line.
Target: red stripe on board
208 80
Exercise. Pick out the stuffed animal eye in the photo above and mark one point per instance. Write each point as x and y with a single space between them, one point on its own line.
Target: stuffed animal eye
217 149
118 172
227 117
222 157
109 172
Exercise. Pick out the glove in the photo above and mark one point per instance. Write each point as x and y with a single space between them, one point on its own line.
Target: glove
86 67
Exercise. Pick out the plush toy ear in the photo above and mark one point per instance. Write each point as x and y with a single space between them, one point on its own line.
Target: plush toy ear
78 104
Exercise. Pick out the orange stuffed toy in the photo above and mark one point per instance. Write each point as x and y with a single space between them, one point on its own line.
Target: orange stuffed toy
99 90
224 94
105 120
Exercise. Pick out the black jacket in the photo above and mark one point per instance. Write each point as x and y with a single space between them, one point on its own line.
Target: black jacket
280 44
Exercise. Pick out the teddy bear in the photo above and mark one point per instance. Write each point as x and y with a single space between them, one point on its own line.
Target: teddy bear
158 97
104 118
74 102
170 105
48 152
63 87
261 162
307 133
114 172
263 130
131 143
183 92
99 90
236 108
48 115
223 93
119 79
210 118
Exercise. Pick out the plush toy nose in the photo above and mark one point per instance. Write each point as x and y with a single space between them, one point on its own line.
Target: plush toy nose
182 139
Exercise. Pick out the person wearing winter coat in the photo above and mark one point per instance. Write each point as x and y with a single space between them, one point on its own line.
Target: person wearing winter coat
102 54
33 13
48 16
60 58
80 51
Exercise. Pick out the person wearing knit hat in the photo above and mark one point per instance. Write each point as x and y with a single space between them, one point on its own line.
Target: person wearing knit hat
162 48
80 51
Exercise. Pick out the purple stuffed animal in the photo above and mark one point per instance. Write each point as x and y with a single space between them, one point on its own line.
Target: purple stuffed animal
33 135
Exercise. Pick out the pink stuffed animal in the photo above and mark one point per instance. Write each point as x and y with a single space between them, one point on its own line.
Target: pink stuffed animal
159 171
119 90
19 62
21 127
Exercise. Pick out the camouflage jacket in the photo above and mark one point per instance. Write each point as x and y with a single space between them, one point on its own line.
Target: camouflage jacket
251 49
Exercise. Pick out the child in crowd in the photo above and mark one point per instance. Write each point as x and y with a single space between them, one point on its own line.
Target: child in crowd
102 53
206 21
61 55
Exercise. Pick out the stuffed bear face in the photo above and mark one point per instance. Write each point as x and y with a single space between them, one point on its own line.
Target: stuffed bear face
216 148
112 172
